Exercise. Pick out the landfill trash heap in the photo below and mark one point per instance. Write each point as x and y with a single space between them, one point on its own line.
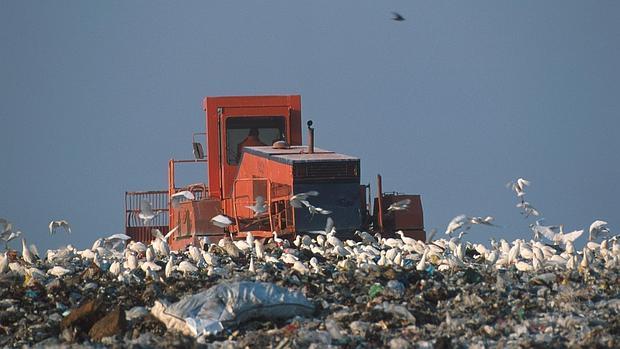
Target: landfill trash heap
367 294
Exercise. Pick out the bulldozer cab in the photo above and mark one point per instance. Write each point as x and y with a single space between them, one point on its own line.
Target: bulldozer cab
236 122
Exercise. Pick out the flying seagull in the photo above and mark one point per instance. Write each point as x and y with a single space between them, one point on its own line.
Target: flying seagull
519 186
259 207
59 224
399 205
177 197
221 221
146 212
397 17
298 199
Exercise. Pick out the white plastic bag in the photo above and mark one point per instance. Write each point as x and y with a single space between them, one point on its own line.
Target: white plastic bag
229 304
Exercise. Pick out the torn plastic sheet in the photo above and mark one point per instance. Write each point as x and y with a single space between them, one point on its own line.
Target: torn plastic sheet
229 304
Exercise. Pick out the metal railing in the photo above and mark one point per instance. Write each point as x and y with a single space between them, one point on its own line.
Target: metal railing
134 226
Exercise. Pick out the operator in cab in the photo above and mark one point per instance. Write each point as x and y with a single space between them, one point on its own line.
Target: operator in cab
249 141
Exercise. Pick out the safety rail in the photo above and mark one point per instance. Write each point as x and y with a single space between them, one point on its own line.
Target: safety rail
134 226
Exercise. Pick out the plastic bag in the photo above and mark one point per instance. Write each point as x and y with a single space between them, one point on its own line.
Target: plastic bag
229 304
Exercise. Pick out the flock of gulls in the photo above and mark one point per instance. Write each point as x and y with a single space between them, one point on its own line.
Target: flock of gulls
157 261
135 262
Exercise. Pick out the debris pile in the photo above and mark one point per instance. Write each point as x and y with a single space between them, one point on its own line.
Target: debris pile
376 292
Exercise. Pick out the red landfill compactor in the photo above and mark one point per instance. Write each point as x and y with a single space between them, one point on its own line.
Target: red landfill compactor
254 152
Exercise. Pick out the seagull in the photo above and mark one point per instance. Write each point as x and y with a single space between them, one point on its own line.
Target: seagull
397 17
547 231
176 198
519 186
187 267
314 209
59 224
30 254
259 248
458 222
488 220
146 213
597 228
4 263
259 207
298 199
9 235
252 268
528 209
399 205
407 240
561 237
221 221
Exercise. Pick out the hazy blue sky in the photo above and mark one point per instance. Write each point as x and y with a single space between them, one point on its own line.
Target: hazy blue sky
96 96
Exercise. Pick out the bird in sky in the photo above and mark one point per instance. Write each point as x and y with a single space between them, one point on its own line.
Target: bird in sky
397 17
146 213
561 237
519 186
54 225
527 209
488 220
458 222
176 198
7 234
259 207
399 205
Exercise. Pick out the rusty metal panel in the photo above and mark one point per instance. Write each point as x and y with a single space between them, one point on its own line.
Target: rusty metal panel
410 221
194 221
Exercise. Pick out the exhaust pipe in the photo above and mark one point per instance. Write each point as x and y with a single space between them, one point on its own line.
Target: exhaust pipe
310 138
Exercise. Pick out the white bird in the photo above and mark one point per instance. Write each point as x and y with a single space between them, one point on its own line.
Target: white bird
259 207
315 264
598 228
115 268
514 252
249 239
59 224
366 237
301 268
519 186
28 254
231 249
542 230
150 254
421 265
10 235
407 240
488 220
146 213
4 263
458 222
276 239
187 267
221 221
314 209
298 199
252 268
259 249
561 237
169 267
175 199
132 262
528 209
399 205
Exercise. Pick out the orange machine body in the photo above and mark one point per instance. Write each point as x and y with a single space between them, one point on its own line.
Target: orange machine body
243 168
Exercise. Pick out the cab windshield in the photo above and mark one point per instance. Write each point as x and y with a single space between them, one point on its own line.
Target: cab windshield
251 131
